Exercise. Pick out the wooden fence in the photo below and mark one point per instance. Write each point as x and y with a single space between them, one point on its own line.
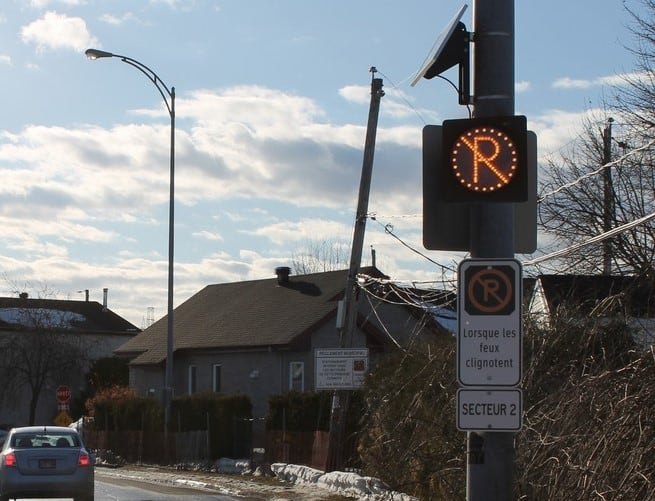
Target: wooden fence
135 446
306 448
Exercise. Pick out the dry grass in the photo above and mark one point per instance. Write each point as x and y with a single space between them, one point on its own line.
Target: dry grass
589 422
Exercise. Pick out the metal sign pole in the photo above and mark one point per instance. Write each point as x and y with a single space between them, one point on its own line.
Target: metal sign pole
490 455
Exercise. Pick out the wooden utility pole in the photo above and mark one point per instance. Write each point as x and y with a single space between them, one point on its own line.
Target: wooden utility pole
608 197
349 304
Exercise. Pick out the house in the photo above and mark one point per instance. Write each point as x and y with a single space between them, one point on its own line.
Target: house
599 295
258 337
93 328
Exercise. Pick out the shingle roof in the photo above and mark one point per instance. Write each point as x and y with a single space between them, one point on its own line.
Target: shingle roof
253 313
587 291
76 316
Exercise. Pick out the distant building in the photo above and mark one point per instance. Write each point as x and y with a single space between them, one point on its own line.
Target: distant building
100 329
598 295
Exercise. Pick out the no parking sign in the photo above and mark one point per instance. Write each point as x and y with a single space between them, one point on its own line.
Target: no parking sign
489 345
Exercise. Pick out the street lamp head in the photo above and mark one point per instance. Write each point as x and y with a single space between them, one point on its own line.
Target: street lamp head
97 54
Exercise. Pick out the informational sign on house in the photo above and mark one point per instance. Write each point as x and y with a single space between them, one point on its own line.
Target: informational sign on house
340 368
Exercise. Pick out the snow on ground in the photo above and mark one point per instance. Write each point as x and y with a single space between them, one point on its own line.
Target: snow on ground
300 482
339 482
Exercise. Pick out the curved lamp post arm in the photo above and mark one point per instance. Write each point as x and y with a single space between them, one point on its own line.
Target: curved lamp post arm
150 75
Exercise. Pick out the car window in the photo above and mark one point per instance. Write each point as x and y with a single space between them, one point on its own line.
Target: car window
26 440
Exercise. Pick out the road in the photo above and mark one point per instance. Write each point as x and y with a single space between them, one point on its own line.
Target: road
133 483
208 485
121 489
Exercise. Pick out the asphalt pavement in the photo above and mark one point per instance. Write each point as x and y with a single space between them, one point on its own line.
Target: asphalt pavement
244 486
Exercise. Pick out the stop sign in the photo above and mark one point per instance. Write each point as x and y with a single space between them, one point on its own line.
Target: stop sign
63 394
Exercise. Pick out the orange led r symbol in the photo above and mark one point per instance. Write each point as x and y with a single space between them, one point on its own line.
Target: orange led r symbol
484 159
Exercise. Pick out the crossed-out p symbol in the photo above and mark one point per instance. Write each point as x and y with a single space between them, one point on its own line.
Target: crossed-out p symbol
489 290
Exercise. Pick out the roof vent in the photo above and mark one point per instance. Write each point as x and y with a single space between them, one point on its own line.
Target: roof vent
282 273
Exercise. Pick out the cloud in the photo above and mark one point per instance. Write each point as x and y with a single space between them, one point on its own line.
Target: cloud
557 128
612 80
302 230
118 20
356 93
208 235
246 158
57 31
522 86
5 59
397 104
41 4
570 83
185 5
274 147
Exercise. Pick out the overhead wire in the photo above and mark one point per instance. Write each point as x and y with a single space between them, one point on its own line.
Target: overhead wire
597 171
388 229
401 94
603 236
593 240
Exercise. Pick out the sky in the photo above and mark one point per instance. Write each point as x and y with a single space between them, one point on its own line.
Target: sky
272 102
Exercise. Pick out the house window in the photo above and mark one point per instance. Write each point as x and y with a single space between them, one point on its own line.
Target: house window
216 378
193 379
297 376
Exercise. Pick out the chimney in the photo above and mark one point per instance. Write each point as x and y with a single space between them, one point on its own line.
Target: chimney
105 291
372 257
282 273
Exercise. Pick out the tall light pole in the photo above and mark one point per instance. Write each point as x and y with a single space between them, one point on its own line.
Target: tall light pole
168 96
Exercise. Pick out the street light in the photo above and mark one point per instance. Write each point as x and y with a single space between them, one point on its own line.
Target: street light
168 96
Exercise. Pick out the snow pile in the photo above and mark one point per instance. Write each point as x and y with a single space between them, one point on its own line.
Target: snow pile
296 473
346 484
232 466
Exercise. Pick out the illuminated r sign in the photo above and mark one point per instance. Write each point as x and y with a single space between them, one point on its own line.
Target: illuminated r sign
484 159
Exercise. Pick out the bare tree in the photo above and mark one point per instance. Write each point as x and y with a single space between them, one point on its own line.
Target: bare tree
320 256
636 98
576 203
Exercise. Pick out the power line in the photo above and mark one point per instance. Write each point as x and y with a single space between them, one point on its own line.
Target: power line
597 171
402 96
388 229
593 240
